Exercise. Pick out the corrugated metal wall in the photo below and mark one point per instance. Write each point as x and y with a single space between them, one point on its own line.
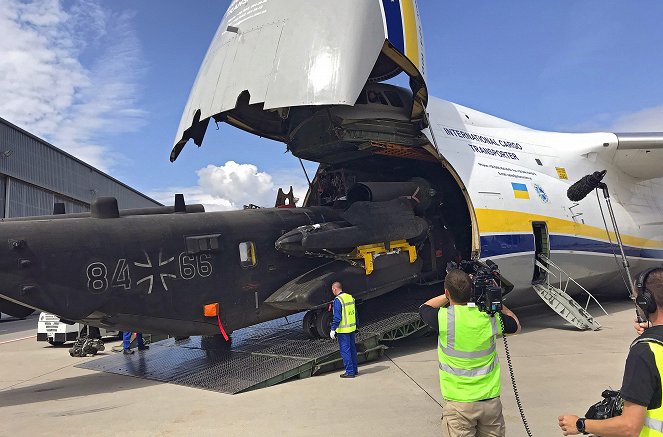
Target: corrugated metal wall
26 200
71 206
26 158
38 174
3 189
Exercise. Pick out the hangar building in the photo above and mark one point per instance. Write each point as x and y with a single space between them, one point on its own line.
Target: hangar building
35 174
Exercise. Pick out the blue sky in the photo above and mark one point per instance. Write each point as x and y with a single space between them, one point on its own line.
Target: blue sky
107 81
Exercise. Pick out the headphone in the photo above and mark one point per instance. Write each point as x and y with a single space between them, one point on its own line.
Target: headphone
645 299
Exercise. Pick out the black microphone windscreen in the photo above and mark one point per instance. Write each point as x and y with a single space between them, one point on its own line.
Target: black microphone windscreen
584 186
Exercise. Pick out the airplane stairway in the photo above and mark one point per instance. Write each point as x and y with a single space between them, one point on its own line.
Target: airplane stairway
560 301
269 353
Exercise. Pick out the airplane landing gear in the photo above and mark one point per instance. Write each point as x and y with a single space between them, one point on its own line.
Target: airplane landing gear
317 323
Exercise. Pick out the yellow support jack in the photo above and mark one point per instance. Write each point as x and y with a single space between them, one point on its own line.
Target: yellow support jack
368 252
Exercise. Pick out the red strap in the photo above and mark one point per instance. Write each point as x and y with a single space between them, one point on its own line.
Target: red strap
223 331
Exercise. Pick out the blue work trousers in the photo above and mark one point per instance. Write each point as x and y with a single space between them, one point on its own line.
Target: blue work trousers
346 343
126 339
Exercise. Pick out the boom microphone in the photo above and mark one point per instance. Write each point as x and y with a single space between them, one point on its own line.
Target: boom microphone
585 185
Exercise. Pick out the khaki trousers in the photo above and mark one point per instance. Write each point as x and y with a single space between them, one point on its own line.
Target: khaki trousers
473 419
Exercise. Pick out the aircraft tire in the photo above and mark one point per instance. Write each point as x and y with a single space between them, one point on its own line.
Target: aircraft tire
308 324
323 323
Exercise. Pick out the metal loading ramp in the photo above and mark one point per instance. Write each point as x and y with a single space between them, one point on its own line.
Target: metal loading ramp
269 353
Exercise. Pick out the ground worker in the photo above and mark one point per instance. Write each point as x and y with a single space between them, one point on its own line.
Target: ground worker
642 413
126 342
343 327
469 368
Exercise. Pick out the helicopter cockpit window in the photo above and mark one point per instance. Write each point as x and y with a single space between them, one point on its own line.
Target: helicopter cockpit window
247 254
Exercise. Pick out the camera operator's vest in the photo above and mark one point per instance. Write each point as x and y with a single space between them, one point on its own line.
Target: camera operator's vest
348 316
469 368
654 418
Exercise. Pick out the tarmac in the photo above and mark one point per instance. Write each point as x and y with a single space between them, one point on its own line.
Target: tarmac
558 370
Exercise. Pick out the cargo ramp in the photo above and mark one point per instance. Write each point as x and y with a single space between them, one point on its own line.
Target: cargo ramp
269 353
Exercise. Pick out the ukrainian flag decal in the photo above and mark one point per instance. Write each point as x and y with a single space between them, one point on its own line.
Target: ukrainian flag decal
520 190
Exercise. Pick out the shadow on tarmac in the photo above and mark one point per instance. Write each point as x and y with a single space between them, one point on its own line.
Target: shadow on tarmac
84 385
373 369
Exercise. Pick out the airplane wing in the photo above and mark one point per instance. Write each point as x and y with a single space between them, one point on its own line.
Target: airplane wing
640 154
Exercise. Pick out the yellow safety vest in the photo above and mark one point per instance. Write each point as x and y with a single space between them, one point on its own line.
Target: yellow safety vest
654 419
348 317
469 367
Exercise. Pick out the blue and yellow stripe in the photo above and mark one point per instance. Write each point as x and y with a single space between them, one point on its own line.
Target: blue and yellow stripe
512 233
402 30
514 244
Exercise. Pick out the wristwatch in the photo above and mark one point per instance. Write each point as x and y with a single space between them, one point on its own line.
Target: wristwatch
580 424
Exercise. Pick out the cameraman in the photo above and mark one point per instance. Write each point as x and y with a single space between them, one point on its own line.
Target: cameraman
641 387
469 368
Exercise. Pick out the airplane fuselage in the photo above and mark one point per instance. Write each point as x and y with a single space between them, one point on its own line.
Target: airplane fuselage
518 177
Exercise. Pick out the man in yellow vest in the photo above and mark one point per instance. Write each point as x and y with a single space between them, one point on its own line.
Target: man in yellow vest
641 387
469 367
344 325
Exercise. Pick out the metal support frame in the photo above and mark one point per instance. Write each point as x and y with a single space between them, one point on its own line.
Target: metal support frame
642 316
369 252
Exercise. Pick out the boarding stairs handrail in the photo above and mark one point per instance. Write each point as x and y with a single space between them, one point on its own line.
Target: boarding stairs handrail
569 279
562 303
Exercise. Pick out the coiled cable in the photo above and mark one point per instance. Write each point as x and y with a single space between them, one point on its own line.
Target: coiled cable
513 381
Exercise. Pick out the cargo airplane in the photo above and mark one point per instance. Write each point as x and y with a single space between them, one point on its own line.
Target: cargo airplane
405 183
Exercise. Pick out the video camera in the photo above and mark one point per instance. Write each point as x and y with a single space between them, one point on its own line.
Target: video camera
486 286
611 406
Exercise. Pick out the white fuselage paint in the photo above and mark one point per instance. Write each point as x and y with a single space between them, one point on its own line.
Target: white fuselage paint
489 155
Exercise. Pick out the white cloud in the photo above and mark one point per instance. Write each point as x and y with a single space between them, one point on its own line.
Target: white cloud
47 89
232 185
645 120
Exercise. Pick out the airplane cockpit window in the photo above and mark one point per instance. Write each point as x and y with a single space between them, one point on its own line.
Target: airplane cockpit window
247 254
394 98
376 97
